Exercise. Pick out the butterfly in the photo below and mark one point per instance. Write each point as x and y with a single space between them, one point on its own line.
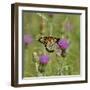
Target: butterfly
51 43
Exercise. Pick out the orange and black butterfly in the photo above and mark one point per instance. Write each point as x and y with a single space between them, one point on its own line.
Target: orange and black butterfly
50 44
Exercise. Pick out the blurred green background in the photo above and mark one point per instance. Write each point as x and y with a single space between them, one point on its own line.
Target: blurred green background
67 25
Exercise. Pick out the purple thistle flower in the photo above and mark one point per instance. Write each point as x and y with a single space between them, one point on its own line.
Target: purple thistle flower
44 59
68 26
50 15
27 39
63 43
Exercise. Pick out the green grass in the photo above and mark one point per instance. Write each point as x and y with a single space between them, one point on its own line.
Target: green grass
31 25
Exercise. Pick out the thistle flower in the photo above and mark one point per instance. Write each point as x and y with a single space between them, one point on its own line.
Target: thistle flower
50 15
63 44
44 59
68 26
27 39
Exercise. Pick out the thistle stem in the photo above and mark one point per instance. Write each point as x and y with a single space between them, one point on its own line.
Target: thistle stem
45 18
